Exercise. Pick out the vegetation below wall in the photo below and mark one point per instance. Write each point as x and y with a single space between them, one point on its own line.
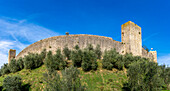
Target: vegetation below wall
80 70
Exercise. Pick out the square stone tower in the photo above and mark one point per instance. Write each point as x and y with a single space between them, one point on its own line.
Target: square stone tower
11 55
131 36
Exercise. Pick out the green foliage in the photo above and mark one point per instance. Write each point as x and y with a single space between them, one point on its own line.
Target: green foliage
89 60
67 52
166 75
12 83
32 61
29 61
112 59
98 51
13 66
55 62
145 76
20 63
5 69
53 81
59 60
70 80
76 56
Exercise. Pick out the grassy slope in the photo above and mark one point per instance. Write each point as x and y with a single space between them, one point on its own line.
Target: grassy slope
94 80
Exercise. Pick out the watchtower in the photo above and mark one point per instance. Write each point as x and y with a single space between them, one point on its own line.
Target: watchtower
11 55
131 36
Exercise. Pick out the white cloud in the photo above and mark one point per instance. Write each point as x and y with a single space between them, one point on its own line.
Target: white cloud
164 59
17 34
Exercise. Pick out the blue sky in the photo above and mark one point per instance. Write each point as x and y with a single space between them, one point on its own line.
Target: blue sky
23 22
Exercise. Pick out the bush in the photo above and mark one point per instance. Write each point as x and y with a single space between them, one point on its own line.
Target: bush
20 63
165 75
112 59
13 66
70 80
98 51
144 76
5 69
55 62
59 60
76 56
89 60
67 52
29 61
12 83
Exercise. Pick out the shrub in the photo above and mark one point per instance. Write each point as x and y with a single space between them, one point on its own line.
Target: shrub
144 76
112 59
55 62
98 51
71 80
20 63
67 52
59 60
76 56
13 66
89 60
29 61
5 69
12 83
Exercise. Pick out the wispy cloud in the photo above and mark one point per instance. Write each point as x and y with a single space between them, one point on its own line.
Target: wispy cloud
17 34
165 59
150 36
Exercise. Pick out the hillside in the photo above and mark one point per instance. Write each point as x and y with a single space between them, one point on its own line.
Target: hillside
100 79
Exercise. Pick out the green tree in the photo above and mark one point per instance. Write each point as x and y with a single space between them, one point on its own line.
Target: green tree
13 66
59 60
20 63
89 60
12 83
112 59
67 52
144 76
29 61
76 56
166 76
98 51
71 80
5 69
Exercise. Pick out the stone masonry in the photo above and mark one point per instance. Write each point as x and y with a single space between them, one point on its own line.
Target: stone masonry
131 43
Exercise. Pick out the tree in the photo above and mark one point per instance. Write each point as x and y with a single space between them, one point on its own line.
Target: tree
67 52
112 59
166 76
89 60
20 63
55 62
76 56
29 61
59 59
144 76
71 80
98 51
12 83
13 66
5 69
53 81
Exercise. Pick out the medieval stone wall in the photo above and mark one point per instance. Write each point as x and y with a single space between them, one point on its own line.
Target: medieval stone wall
53 43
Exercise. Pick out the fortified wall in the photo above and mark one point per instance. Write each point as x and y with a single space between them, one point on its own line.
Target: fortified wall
131 43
